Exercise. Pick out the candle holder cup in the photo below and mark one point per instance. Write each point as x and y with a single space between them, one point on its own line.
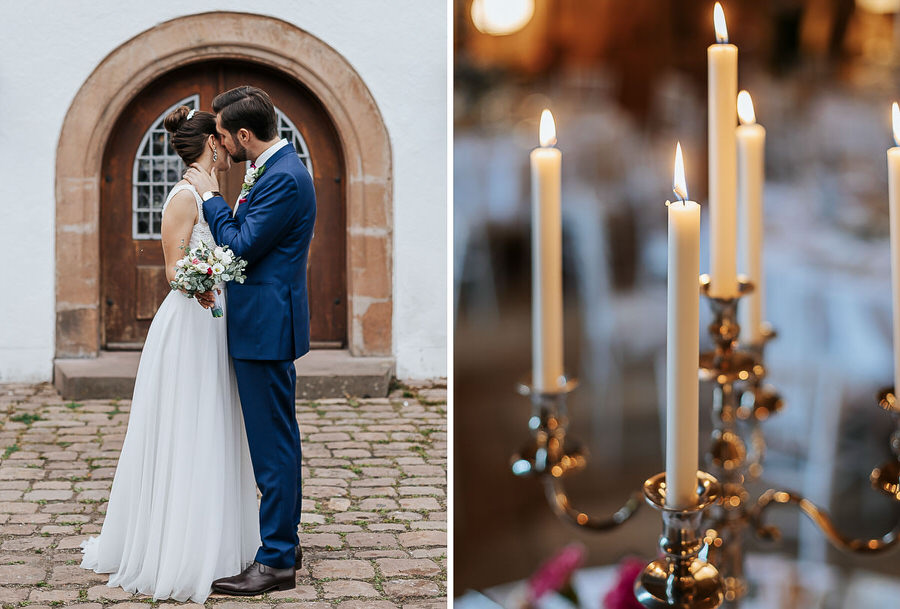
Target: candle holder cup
549 451
680 578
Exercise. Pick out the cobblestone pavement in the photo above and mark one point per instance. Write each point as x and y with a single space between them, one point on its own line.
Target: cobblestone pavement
374 526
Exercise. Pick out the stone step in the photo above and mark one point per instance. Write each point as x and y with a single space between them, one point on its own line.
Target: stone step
322 373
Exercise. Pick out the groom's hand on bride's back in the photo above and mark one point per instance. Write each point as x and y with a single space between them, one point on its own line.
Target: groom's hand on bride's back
199 179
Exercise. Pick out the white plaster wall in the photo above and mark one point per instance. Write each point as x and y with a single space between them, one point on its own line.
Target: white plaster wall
49 47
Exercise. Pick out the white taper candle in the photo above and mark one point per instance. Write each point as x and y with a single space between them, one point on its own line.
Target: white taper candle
751 145
722 93
893 159
546 260
682 345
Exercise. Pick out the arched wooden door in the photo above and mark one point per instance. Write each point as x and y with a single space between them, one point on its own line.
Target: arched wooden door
140 167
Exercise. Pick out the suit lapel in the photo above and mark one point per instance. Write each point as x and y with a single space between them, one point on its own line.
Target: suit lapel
284 150
270 162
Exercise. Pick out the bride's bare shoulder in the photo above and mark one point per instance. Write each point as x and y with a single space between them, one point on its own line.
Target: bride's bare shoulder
182 205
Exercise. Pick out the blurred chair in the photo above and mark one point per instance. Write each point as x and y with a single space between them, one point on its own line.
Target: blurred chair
585 239
471 247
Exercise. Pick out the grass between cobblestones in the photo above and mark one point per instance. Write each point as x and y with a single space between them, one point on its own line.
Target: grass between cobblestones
374 527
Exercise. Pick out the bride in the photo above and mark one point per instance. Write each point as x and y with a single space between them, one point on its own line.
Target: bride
182 510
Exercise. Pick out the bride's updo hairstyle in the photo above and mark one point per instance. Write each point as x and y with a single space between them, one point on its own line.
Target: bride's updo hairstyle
189 135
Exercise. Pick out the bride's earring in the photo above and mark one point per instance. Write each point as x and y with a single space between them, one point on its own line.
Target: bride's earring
215 155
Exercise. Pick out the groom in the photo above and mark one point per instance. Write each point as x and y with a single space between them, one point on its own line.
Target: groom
268 317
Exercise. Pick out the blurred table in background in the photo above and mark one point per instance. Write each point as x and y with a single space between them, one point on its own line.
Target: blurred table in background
777 583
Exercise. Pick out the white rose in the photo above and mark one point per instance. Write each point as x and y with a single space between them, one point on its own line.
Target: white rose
219 252
180 263
203 267
227 258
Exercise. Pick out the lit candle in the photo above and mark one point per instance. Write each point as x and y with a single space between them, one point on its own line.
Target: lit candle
682 345
893 158
546 260
751 144
722 91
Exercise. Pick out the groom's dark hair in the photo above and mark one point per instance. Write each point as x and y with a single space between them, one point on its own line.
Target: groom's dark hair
248 108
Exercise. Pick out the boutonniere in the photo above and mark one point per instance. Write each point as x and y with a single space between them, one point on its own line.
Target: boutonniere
250 178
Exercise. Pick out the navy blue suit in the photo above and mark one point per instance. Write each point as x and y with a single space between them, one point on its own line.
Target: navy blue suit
268 328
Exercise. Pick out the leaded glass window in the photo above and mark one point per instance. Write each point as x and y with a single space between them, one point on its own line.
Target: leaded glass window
288 131
156 170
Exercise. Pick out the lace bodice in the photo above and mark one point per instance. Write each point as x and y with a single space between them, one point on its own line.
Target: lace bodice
201 231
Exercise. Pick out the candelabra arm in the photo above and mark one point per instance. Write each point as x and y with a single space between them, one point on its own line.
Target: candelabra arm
558 499
822 520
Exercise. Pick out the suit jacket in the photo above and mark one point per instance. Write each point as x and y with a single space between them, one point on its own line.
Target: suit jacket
268 315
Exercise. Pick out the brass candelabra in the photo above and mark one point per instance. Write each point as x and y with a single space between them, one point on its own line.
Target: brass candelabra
701 562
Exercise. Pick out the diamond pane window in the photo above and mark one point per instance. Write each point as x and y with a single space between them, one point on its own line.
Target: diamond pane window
156 170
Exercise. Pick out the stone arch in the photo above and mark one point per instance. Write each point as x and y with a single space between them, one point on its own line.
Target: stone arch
224 35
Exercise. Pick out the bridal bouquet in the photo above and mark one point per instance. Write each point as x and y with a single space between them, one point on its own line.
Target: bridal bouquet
203 267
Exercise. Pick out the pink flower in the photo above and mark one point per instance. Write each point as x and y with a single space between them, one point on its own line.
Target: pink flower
556 573
621 596
195 261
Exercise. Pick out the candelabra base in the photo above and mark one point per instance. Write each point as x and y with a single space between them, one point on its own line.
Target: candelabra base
680 579
694 585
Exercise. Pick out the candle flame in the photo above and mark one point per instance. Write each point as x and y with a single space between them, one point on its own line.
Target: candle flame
548 129
719 20
745 108
680 184
895 115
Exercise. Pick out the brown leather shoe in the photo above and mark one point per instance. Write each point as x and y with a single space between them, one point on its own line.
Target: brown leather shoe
298 557
256 579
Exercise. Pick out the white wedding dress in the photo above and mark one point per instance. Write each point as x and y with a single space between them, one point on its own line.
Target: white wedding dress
182 510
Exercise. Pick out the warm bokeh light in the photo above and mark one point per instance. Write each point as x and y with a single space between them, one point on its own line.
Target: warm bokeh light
548 129
501 17
680 184
745 108
895 116
719 20
879 7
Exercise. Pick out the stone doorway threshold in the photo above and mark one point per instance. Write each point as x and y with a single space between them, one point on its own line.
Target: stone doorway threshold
321 373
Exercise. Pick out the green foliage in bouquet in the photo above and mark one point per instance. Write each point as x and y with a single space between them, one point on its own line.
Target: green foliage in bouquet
204 267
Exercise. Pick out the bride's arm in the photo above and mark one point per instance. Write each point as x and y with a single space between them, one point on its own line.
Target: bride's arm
177 223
